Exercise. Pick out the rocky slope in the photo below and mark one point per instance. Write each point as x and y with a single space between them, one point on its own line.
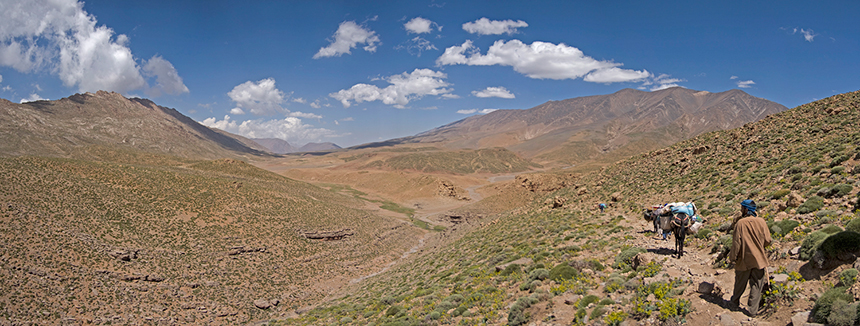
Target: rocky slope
616 125
558 261
142 239
66 127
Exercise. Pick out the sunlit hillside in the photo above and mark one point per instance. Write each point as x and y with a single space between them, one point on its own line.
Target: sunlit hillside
559 261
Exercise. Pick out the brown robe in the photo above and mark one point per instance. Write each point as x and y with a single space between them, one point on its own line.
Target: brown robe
749 239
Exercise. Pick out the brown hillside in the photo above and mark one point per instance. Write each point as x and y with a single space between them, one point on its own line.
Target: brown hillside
63 127
623 123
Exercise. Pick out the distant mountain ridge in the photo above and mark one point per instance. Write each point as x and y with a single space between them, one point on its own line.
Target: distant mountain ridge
280 146
62 127
619 124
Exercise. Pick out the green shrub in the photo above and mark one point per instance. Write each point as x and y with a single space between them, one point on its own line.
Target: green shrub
625 258
703 233
562 272
517 314
779 193
831 229
510 269
597 313
837 170
842 313
848 277
393 310
538 274
853 225
606 302
824 304
812 204
781 228
615 318
434 315
810 244
846 241
587 300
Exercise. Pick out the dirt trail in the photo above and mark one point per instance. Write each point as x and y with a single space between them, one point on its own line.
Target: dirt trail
696 266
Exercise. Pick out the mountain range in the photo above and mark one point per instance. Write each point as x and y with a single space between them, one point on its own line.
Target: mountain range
280 146
608 126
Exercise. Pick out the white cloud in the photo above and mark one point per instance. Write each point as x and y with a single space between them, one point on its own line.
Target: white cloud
416 46
59 36
32 98
542 60
315 104
260 98
299 100
419 25
615 75
471 111
167 80
733 77
290 129
237 111
306 115
663 81
494 92
485 26
404 88
1 78
348 36
745 83
808 34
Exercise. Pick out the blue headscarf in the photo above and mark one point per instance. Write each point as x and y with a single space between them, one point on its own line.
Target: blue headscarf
750 206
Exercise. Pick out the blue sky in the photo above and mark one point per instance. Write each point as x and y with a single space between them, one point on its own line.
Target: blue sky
352 72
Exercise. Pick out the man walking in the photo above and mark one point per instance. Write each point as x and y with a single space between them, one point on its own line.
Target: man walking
749 239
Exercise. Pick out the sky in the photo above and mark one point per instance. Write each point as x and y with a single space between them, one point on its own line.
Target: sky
353 72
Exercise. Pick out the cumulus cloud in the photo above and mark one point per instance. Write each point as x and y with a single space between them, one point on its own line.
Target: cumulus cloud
404 88
419 25
348 36
32 98
541 60
663 81
745 83
260 98
734 77
291 129
471 111
167 80
494 92
485 26
59 36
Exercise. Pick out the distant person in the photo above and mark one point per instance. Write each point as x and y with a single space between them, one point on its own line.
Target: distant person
602 206
749 238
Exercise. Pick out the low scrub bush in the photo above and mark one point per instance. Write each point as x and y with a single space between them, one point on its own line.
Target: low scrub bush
562 272
812 204
810 244
781 228
846 241
824 305
625 258
848 277
831 229
517 314
853 225
779 193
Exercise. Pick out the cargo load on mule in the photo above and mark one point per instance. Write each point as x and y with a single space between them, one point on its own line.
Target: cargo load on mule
679 218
